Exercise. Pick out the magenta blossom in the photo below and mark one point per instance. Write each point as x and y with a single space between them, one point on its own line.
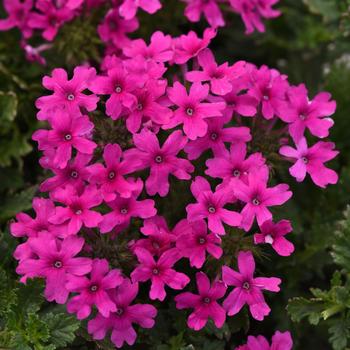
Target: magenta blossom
252 11
311 160
148 106
247 289
197 242
111 178
68 131
205 304
78 208
209 8
162 161
121 322
119 84
129 7
55 260
76 173
238 102
19 13
93 290
258 197
159 50
270 88
123 209
189 46
218 76
159 272
26 226
50 18
216 137
115 28
67 94
159 237
210 205
302 113
274 234
280 341
233 166
192 111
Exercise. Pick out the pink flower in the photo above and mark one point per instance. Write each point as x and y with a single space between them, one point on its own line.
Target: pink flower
269 87
50 19
238 102
93 290
148 106
19 13
247 289
192 112
55 261
210 205
205 304
252 11
162 161
68 131
126 208
258 197
76 173
160 272
26 226
218 76
302 113
274 234
197 242
121 322
280 341
67 94
189 46
111 178
233 166
310 160
159 237
114 28
78 208
119 84
216 137
209 8
129 7
159 50
33 54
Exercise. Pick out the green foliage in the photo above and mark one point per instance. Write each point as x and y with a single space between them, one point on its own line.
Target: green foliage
331 306
309 42
25 324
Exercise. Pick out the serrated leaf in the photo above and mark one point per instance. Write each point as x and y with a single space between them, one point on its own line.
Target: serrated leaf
300 308
340 333
11 205
62 328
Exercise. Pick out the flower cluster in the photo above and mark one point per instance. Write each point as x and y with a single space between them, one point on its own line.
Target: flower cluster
46 17
202 128
280 341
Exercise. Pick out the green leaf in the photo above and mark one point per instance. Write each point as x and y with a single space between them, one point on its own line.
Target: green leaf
340 333
11 205
8 110
328 9
62 328
341 248
300 308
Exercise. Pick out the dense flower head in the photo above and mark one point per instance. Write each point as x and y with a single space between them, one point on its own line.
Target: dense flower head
120 19
155 174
